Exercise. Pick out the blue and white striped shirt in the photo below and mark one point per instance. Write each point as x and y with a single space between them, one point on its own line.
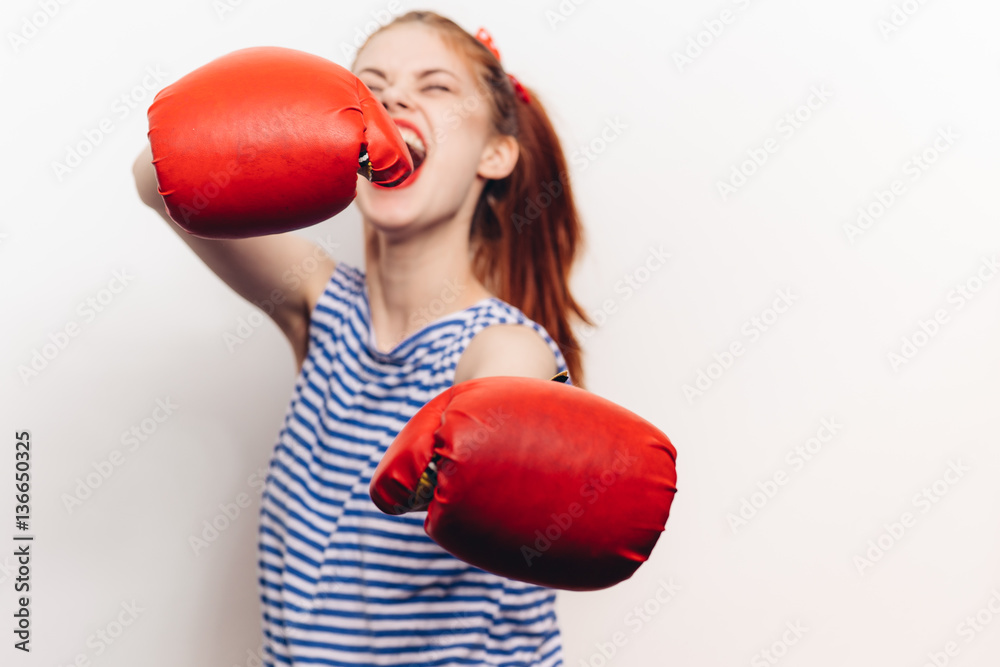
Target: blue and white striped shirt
343 584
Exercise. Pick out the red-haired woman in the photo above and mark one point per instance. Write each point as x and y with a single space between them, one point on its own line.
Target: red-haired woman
466 275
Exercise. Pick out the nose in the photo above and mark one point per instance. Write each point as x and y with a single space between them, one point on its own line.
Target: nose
394 98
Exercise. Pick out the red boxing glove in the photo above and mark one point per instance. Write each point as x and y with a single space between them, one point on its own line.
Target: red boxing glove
533 480
267 140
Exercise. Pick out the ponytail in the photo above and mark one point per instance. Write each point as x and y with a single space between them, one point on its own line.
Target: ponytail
526 232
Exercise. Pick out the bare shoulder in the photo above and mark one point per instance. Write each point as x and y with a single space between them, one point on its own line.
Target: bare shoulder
506 349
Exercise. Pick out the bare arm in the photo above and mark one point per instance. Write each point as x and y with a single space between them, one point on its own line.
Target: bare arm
263 269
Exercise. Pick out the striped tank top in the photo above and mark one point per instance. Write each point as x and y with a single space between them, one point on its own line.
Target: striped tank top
340 582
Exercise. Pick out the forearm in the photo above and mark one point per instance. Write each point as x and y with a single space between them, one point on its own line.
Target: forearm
278 272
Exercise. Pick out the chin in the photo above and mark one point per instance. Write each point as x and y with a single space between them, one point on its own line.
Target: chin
386 212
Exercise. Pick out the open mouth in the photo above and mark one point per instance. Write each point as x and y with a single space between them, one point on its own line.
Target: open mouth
415 143
418 150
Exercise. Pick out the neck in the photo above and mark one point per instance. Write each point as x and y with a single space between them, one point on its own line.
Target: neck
415 279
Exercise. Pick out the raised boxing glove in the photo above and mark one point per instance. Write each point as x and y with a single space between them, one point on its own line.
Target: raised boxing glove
266 140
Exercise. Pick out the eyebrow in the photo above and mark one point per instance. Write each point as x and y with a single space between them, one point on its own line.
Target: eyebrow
421 75
428 72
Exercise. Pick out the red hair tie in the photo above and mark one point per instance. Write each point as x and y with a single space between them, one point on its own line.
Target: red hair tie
487 40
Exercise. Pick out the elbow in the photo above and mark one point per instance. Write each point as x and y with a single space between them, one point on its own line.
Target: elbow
145 180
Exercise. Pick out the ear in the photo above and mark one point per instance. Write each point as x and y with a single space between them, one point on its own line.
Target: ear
499 157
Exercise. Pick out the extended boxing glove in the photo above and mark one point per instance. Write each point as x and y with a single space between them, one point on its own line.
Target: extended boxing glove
266 140
533 480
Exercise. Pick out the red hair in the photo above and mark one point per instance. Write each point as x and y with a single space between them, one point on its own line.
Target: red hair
525 230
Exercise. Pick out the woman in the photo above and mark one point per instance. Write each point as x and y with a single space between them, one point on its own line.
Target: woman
466 275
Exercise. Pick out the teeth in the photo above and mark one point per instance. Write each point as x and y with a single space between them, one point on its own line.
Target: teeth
413 140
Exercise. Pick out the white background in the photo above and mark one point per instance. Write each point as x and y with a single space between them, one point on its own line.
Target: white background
683 130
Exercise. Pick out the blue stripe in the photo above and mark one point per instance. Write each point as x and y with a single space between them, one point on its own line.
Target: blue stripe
401 632
414 599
